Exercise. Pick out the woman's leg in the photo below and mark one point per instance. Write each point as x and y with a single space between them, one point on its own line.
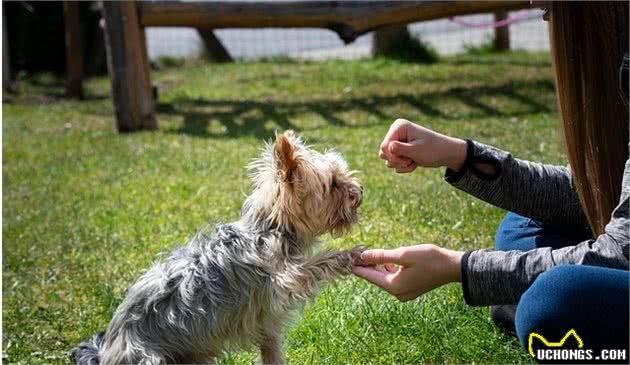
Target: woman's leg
517 232
523 234
589 299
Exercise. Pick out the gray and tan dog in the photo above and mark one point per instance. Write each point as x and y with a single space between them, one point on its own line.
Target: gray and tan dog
237 286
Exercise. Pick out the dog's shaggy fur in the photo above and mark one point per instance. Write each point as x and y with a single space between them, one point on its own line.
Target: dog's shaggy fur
237 286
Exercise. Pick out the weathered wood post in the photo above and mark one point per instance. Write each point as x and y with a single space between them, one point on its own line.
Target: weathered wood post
501 34
7 80
215 50
390 40
128 66
74 51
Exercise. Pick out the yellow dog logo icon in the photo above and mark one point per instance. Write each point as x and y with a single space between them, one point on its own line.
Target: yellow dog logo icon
560 343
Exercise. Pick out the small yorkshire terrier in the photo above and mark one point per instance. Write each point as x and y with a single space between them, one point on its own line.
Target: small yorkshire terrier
237 286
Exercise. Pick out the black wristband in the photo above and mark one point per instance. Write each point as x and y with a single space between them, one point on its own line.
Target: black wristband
454 176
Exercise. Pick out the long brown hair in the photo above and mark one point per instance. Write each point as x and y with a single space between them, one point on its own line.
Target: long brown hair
588 43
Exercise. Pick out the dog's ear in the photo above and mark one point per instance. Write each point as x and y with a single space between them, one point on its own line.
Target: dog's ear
285 154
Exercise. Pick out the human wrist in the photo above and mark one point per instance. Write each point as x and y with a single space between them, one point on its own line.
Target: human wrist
453 263
457 150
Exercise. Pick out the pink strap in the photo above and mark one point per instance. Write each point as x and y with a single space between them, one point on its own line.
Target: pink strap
502 23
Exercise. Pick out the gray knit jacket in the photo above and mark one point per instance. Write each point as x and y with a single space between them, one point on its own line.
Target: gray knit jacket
543 193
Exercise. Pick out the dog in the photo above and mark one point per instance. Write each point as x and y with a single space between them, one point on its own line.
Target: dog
238 285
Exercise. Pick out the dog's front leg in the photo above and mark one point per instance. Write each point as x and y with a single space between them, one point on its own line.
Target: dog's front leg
301 280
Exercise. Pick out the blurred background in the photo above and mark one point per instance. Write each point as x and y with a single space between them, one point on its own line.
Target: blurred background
36 39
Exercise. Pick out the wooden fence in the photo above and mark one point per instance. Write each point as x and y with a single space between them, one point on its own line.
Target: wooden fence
125 39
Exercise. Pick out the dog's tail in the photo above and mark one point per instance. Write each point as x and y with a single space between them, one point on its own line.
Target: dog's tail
86 353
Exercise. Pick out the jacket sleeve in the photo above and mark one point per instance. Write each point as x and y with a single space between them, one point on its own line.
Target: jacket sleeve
538 191
501 277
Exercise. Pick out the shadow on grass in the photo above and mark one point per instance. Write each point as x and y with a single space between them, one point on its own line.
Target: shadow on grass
477 61
47 88
236 118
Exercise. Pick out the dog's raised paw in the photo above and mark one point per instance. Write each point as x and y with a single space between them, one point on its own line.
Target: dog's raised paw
356 255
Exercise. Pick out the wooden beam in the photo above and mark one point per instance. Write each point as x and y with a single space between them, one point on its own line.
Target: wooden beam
74 51
128 66
349 19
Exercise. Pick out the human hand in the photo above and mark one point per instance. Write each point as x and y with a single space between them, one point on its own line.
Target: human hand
409 272
408 146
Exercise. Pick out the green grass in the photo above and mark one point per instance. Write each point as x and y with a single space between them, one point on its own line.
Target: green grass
86 210
485 48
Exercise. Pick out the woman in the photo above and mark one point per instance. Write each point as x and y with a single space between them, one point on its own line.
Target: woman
565 265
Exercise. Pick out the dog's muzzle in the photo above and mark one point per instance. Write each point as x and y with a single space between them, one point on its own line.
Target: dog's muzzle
356 194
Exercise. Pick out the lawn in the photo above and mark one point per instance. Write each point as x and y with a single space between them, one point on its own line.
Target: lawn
86 210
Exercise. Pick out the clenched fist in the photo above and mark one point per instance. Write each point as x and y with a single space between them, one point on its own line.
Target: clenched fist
408 146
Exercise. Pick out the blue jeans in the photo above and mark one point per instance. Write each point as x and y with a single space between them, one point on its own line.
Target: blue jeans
592 300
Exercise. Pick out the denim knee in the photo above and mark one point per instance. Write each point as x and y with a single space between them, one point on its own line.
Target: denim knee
515 232
544 302
592 300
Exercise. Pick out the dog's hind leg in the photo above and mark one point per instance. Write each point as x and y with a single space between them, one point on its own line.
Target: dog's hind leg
208 359
271 350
